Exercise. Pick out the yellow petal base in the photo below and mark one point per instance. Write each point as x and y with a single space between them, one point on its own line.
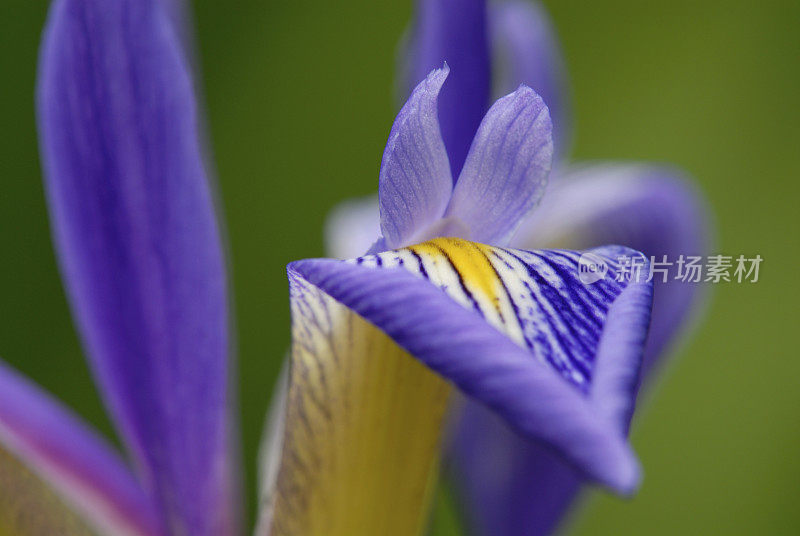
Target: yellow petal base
363 429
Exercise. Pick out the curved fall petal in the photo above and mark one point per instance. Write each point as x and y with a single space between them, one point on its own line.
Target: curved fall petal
139 248
526 51
507 167
510 486
523 315
63 455
415 182
455 32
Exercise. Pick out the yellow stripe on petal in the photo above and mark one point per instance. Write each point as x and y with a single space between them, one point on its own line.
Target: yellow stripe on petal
28 507
363 428
469 272
469 260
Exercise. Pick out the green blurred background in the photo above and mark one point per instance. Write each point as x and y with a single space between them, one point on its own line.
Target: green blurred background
299 99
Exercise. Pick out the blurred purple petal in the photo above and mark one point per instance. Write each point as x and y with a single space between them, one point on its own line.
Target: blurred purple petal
60 449
506 483
415 182
459 343
506 170
139 248
453 31
509 485
526 51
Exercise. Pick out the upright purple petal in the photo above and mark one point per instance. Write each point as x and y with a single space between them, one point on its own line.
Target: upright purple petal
454 31
415 182
72 459
509 485
506 171
526 51
134 227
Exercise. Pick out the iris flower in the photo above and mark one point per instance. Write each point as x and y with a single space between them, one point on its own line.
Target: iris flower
507 484
381 342
138 243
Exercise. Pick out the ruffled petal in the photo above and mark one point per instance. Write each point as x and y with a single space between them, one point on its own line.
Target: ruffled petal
415 181
526 51
506 171
66 456
455 32
508 485
134 227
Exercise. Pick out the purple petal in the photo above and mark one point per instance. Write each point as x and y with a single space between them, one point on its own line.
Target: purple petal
61 450
526 51
506 170
179 13
560 321
415 181
508 485
454 31
139 247
652 209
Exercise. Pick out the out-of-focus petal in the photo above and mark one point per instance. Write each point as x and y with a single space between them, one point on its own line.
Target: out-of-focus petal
352 227
526 51
179 13
509 485
67 457
139 247
271 449
415 182
453 31
29 507
549 321
506 171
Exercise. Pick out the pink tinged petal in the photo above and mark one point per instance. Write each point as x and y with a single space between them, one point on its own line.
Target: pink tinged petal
506 171
72 459
455 32
28 505
139 247
415 181
533 381
526 51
